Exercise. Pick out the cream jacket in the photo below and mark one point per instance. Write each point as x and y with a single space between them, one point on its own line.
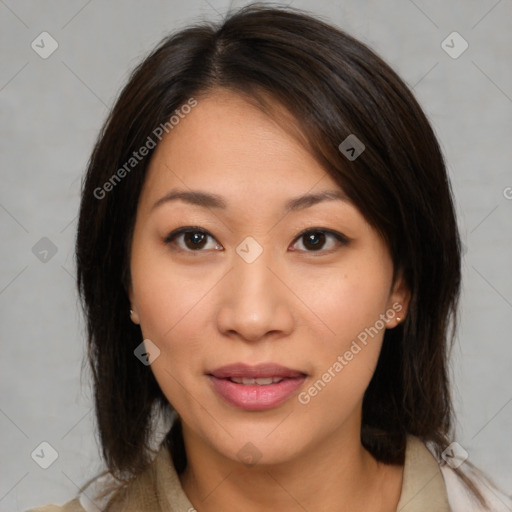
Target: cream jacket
426 487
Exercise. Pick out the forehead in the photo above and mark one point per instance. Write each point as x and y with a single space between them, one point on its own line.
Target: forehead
231 147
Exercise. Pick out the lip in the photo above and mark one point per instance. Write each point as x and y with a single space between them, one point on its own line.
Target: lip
262 370
256 397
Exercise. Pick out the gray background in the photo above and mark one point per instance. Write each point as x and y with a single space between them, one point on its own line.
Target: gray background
51 111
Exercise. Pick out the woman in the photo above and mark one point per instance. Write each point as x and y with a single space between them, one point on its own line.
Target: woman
268 256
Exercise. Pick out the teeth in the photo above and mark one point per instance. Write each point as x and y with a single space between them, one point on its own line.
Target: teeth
262 381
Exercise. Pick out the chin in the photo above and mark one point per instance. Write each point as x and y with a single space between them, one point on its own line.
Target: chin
255 444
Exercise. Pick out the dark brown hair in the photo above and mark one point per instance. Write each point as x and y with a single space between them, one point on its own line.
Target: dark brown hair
333 86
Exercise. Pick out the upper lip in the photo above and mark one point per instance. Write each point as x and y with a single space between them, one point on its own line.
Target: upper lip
241 370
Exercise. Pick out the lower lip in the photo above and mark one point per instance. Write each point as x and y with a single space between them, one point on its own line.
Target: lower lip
254 397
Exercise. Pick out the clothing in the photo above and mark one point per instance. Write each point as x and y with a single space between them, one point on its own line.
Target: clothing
427 487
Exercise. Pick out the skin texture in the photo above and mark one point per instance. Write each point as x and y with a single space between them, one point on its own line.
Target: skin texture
294 306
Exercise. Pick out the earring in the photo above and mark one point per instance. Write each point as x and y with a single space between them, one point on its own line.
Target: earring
131 311
398 319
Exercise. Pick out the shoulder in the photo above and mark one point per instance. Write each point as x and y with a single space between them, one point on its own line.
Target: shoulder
461 499
105 492
71 506
449 475
92 497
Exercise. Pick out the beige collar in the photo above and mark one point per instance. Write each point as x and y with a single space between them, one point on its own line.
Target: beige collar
423 487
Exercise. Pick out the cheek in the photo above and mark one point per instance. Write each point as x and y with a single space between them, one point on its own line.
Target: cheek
349 305
165 294
345 300
172 315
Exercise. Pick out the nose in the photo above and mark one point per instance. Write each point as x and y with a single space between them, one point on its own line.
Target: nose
255 304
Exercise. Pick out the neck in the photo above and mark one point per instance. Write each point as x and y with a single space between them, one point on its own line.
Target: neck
339 476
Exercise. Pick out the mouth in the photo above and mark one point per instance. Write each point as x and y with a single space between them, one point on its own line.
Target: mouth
260 381
256 388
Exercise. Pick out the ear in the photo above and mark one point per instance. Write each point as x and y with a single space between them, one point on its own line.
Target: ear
398 303
134 315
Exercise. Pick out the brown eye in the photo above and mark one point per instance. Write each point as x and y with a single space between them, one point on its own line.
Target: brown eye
194 239
191 239
315 240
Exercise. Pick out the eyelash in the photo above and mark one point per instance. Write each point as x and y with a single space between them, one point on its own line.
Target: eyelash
339 237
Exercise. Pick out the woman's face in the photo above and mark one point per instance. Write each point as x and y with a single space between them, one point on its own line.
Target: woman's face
264 283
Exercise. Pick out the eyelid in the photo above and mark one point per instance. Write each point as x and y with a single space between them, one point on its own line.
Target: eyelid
184 229
336 234
187 229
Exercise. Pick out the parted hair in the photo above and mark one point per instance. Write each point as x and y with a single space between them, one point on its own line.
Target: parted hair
333 86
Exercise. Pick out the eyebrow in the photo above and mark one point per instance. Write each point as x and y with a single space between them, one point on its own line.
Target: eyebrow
208 200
